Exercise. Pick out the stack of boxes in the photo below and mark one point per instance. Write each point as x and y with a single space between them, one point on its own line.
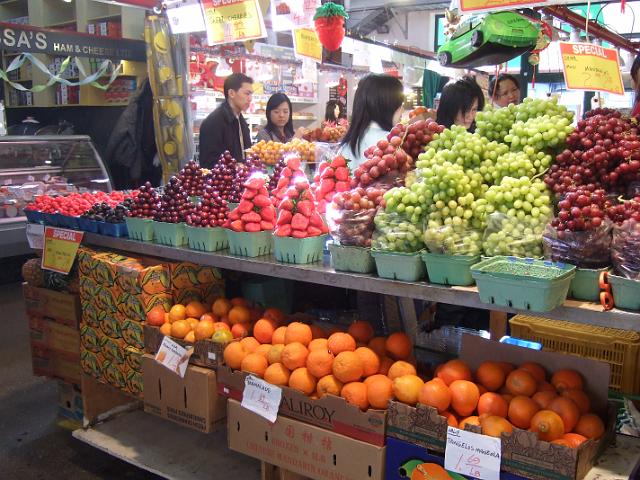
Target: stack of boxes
105 29
120 90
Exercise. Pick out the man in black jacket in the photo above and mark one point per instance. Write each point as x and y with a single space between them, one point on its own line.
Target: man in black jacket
225 128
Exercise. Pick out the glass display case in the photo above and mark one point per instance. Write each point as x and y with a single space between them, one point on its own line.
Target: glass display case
39 165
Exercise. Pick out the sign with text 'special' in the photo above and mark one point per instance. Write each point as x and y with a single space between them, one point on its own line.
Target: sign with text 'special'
591 67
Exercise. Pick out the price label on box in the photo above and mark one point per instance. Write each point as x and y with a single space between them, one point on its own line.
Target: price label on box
472 454
60 249
174 356
261 397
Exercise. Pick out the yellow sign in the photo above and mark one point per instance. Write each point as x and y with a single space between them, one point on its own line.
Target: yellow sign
591 67
60 248
231 21
486 5
306 44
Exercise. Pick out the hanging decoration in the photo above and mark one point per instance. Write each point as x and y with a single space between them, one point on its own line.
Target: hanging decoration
544 39
329 21
452 20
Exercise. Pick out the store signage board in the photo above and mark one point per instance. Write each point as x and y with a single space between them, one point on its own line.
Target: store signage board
60 249
472 454
261 398
591 67
25 38
292 14
479 6
306 44
187 17
229 21
173 356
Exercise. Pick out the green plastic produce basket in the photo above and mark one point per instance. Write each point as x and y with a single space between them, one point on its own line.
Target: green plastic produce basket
232 206
407 267
170 234
346 258
523 283
207 239
626 292
250 244
299 250
450 269
140 228
586 284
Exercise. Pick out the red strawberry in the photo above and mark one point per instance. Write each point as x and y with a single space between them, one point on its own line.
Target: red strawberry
245 206
286 173
299 234
342 186
261 201
263 191
255 183
329 196
294 163
249 193
316 220
327 185
299 222
342 173
339 161
234 215
284 217
252 227
322 167
305 207
283 231
236 226
286 204
313 231
328 173
251 217
282 183
268 214
266 225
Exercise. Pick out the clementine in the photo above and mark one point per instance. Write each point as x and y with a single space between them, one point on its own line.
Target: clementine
298 332
400 368
407 388
590 426
567 379
341 342
275 353
254 363
491 403
318 344
568 411
278 335
454 370
348 367
294 355
548 425
399 346
521 411
370 361
435 394
464 397
319 363
233 355
521 382
301 380
250 344
362 331
490 375
495 426
277 374
355 393
263 330
379 390
329 384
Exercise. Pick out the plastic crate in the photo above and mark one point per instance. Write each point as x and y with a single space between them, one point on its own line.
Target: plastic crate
33 216
346 258
87 225
407 267
207 239
618 348
523 283
626 292
250 244
586 284
170 234
450 269
113 229
269 292
139 228
299 250
51 219
68 221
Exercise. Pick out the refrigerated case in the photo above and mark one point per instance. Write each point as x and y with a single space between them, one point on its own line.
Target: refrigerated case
37 165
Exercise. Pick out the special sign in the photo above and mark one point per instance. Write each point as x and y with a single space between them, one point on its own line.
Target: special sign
591 67
25 38
229 21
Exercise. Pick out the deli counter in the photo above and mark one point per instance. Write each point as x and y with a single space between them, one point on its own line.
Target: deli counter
42 165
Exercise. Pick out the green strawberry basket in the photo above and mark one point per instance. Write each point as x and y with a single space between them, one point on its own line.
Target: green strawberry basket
207 239
586 284
250 244
407 267
346 258
299 250
170 234
626 292
450 269
140 228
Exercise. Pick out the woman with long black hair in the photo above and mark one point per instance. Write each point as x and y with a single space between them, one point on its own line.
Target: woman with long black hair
279 126
635 82
459 103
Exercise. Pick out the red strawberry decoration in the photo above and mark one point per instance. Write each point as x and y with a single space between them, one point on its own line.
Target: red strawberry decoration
255 212
332 177
298 217
329 21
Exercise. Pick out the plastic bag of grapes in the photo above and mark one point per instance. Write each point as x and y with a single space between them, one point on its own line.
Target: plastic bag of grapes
395 233
351 227
625 249
510 235
584 249
452 239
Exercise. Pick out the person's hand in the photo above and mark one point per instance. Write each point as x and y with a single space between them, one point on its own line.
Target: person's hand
299 132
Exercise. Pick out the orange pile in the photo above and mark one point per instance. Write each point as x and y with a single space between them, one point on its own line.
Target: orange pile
367 371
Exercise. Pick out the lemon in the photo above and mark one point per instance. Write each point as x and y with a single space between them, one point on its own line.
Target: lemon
222 336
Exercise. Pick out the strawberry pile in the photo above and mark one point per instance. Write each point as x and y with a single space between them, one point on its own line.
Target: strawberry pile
255 213
75 204
332 177
298 217
287 178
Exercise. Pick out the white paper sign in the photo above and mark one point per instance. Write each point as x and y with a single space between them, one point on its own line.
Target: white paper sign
173 356
35 235
472 454
290 14
261 397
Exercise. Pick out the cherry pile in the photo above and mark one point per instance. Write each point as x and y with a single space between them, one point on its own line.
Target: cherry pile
192 179
103 212
146 203
174 203
222 177
277 172
211 211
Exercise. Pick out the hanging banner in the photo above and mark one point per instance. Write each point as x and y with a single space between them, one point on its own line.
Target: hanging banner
478 6
187 17
591 67
60 248
306 44
231 21
292 14
25 38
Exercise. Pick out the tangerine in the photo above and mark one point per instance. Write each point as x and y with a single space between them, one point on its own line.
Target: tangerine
177 312
233 355
263 330
294 355
544 398
277 374
548 425
491 403
490 375
221 307
240 330
278 335
355 393
370 361
580 398
319 363
589 426
399 346
275 353
568 411
239 314
407 388
329 384
250 344
495 426
473 420
195 309
254 363
566 380
454 370
318 344
536 370
464 397
204 329
521 411
377 344
298 332
348 367
301 380
341 342
574 439
180 328
379 390
436 394
521 382
362 331
400 368
165 329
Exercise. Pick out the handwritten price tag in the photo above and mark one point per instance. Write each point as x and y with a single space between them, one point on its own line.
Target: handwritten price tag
60 248
261 397
174 356
591 67
472 454
35 235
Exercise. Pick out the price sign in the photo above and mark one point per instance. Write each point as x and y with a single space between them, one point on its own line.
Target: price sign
261 397
472 454
229 21
173 356
307 45
60 248
591 67
291 14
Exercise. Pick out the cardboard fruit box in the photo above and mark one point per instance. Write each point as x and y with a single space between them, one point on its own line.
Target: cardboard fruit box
192 401
329 412
62 307
522 453
302 448
206 353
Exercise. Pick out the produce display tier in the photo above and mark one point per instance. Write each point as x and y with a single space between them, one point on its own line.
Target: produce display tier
572 310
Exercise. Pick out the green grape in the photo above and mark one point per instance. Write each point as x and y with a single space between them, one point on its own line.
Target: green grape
397 232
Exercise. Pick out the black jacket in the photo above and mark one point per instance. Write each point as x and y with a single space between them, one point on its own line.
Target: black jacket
219 132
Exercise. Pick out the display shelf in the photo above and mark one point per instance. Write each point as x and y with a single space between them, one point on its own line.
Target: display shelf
572 310
166 449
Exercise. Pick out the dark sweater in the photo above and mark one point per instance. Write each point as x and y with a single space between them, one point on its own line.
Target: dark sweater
219 132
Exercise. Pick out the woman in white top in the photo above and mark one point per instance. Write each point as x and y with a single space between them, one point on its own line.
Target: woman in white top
377 107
